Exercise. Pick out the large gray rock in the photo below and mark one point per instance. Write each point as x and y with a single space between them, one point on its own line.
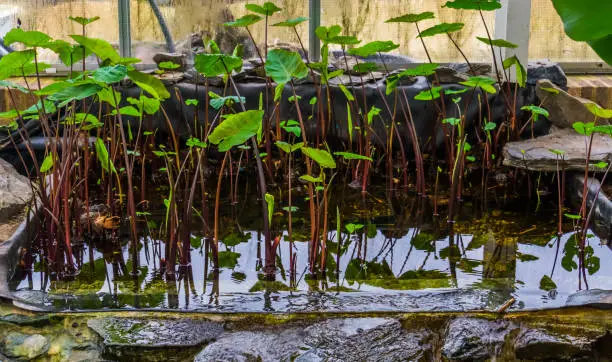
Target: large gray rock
601 219
15 191
593 298
469 339
564 108
350 339
536 344
25 346
160 339
544 69
534 154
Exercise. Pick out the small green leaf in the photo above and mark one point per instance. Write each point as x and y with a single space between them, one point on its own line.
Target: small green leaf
521 73
373 48
347 94
291 22
489 126
270 202
536 110
149 84
103 157
597 111
83 21
192 102
484 83
501 43
47 163
218 103
352 156
31 39
547 284
244 21
311 179
428 95
322 157
412 18
168 65
236 129
267 9
444 28
485 5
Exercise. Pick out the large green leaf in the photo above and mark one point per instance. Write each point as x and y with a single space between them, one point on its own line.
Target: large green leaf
597 111
75 92
99 47
412 18
267 9
244 21
212 65
322 157
344 40
589 21
501 43
291 22
444 28
486 5
236 129
149 84
27 38
283 65
69 54
13 63
373 48
521 73
110 74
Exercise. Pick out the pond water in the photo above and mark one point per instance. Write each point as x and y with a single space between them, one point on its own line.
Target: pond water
397 257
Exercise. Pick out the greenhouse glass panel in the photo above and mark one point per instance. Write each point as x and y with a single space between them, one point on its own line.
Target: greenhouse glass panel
51 17
366 20
549 41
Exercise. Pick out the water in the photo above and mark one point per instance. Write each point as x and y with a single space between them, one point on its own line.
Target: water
401 259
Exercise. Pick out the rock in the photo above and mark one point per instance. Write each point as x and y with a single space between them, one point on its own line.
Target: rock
36 320
536 344
161 339
350 339
592 297
564 108
535 155
450 75
24 346
475 339
15 191
545 69
475 70
176 58
601 220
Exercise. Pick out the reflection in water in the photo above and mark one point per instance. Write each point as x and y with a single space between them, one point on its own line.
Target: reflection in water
363 18
391 251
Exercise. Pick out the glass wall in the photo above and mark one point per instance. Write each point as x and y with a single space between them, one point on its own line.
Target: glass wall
548 39
362 18
366 20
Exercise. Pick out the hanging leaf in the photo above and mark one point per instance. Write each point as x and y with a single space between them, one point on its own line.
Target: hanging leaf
149 84
267 9
521 73
322 157
291 22
347 94
270 202
103 157
236 129
244 21
372 113
485 5
412 18
30 39
282 66
47 163
444 28
501 43
352 156
212 65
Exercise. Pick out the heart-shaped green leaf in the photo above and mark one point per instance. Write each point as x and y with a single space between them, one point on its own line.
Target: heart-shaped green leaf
412 18
444 28
282 66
